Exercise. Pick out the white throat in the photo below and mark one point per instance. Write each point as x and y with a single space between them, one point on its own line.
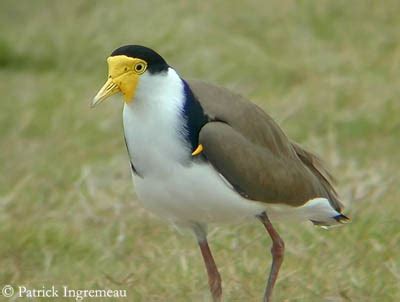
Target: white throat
154 126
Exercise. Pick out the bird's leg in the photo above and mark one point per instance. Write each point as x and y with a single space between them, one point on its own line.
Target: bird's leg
277 251
214 278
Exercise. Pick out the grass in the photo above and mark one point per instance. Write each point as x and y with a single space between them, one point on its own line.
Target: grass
327 71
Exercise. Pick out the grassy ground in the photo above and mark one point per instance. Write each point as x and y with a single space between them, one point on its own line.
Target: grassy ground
327 71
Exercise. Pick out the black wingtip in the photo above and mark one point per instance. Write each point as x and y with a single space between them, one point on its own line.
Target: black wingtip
341 218
337 220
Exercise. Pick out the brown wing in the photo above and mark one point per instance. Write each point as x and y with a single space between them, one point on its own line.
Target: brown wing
250 150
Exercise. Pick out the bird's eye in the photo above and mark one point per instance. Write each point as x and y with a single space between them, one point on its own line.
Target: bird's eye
140 68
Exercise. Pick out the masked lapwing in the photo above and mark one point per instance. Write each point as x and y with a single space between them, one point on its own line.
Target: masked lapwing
201 154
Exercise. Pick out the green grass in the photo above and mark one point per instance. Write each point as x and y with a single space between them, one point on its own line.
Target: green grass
327 71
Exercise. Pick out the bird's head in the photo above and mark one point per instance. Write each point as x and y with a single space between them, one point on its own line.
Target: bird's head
126 66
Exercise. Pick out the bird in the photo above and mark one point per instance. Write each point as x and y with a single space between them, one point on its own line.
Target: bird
201 154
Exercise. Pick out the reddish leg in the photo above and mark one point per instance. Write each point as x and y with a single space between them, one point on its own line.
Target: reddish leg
277 251
214 278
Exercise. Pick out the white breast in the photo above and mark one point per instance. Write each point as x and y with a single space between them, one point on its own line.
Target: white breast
172 185
153 127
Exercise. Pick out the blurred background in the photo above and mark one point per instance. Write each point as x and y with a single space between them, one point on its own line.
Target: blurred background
327 71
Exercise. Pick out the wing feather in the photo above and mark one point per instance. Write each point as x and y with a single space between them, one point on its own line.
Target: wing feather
254 155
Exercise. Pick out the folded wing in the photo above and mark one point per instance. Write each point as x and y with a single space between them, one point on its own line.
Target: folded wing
250 150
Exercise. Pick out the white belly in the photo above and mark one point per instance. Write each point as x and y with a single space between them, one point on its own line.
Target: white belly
173 185
194 194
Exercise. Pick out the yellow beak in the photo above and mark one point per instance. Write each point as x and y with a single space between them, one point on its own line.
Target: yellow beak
108 89
122 77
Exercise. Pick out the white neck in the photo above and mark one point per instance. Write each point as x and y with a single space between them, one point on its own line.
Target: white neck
154 125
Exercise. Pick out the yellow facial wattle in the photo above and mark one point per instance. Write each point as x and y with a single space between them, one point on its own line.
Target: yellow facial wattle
123 76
